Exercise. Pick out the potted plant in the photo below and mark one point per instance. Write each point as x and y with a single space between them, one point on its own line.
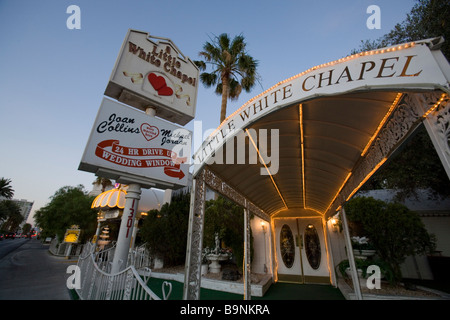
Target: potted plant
362 248
361 267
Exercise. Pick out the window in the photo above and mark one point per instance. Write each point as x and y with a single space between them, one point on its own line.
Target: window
287 246
312 246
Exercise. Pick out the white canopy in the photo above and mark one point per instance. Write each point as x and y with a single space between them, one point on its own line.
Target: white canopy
333 123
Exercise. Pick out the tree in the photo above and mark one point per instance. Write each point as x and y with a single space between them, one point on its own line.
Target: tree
68 206
10 211
103 182
232 68
226 218
395 231
26 228
165 231
5 189
427 19
417 165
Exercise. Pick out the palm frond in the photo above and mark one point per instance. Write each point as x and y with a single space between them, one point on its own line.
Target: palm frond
235 89
208 79
224 41
231 64
200 64
238 45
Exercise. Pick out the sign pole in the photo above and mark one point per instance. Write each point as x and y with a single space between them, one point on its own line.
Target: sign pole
126 228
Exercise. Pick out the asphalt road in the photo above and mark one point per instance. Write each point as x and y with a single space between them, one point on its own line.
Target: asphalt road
28 271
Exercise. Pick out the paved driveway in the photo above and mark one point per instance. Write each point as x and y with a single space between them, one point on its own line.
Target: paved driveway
29 272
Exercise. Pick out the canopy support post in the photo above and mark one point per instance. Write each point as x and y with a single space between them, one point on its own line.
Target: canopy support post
437 123
351 258
192 276
247 270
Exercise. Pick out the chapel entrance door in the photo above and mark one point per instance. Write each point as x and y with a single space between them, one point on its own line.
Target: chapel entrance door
301 251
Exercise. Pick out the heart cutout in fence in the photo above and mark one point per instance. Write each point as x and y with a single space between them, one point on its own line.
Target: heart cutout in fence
165 285
147 274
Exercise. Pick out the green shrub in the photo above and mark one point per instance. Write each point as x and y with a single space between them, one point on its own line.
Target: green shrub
165 231
395 231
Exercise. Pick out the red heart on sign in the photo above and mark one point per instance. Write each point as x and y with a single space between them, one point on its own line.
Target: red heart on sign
149 132
159 84
166 91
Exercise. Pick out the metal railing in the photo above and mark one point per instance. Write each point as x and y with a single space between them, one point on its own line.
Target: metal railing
96 283
65 248
139 258
104 258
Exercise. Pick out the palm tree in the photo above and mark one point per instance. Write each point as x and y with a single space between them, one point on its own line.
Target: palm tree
11 211
233 69
103 182
5 189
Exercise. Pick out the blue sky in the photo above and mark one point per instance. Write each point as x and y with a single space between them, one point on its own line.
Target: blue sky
52 78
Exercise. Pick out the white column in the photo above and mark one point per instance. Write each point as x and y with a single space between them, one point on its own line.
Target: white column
272 245
247 270
351 258
329 253
436 106
192 277
263 226
135 230
126 228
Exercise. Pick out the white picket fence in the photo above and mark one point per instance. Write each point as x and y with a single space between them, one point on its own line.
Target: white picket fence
97 283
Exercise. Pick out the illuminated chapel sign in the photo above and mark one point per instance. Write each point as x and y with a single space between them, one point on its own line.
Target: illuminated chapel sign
151 71
127 142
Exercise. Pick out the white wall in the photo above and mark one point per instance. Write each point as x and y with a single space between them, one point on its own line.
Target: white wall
261 255
337 244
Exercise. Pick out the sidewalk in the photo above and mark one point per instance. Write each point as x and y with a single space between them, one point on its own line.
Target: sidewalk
32 273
